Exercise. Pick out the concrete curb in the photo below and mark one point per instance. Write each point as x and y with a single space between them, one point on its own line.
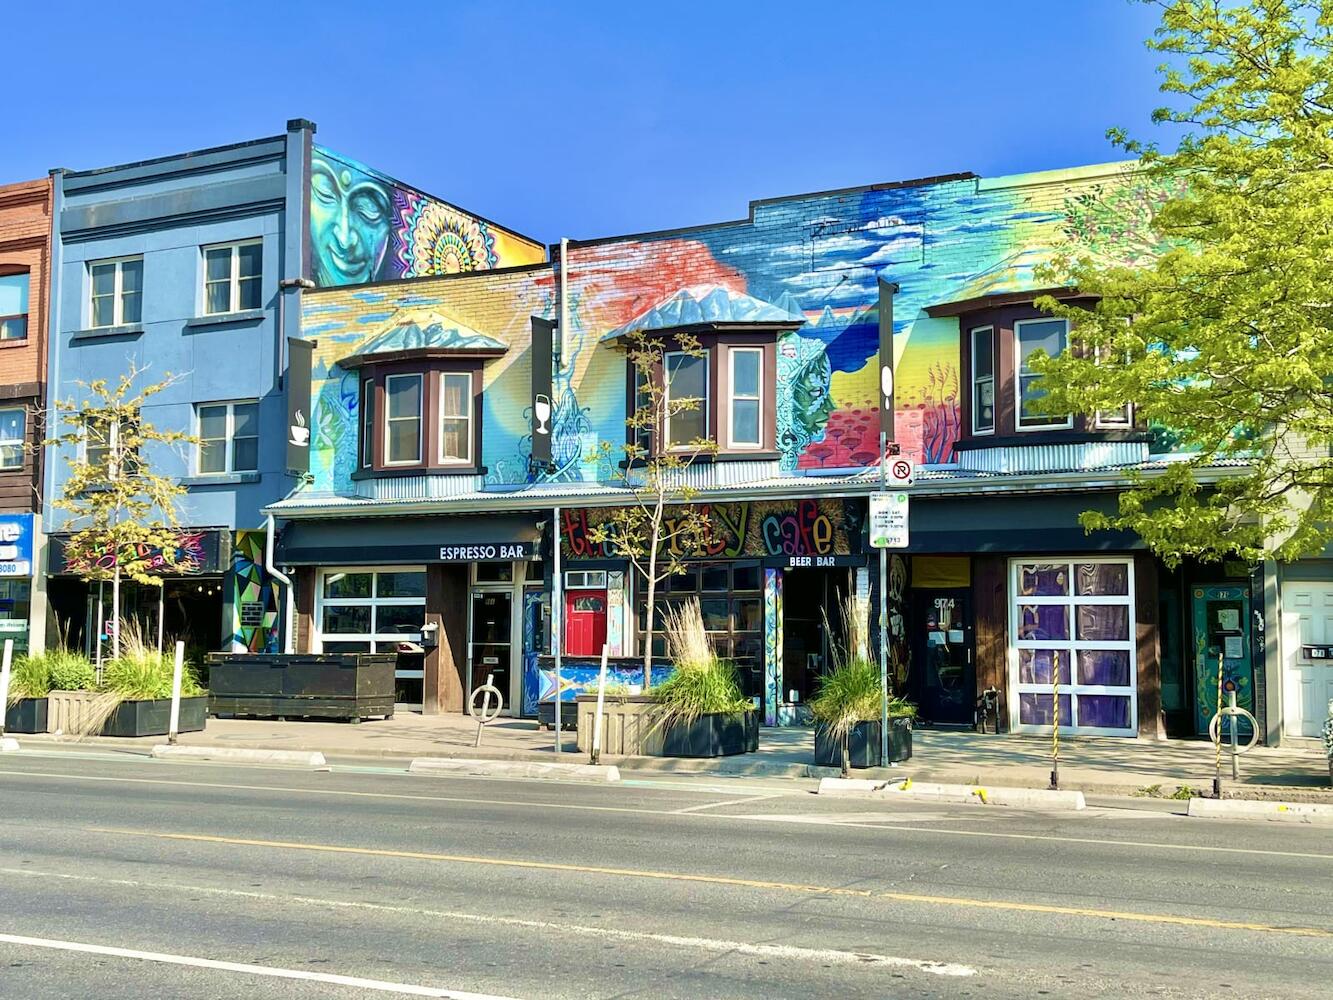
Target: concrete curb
853 786
514 769
1276 812
246 755
9 745
1022 798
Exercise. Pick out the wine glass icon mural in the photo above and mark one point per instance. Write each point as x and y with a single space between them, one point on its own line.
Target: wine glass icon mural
541 408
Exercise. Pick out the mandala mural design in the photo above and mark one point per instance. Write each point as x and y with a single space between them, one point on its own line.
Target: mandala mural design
435 239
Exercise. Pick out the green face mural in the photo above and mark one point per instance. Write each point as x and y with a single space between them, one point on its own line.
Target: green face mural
349 222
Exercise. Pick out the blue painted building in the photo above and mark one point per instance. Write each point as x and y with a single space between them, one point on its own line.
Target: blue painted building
190 266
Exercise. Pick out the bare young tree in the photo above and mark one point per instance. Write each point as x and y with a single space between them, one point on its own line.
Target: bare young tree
123 514
661 529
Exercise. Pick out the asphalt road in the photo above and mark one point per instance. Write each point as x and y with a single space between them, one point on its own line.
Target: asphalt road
125 877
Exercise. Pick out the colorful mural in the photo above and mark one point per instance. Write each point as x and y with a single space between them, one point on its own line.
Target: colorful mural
819 256
772 645
254 602
746 529
365 226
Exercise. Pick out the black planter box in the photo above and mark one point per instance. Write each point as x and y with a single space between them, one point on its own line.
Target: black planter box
352 686
27 715
153 718
863 749
713 735
569 715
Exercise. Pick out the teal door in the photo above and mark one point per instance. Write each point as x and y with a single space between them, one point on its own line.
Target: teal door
1221 617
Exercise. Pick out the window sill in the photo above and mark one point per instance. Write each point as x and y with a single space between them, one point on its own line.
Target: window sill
101 332
707 458
226 319
417 470
13 342
221 479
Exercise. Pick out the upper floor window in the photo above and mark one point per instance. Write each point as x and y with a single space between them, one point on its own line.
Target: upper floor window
367 422
228 437
111 445
1031 336
745 428
233 275
13 435
402 419
116 291
686 416
983 380
455 418
14 306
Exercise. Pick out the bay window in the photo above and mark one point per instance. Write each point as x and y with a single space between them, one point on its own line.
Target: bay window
686 381
746 398
424 419
455 435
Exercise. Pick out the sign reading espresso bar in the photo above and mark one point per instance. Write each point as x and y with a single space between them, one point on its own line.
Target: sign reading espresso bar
487 552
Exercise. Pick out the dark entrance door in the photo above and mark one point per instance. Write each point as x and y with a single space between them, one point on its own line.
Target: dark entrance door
943 676
492 639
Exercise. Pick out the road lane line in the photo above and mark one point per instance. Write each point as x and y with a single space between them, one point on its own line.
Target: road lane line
727 802
512 804
719 946
735 882
271 972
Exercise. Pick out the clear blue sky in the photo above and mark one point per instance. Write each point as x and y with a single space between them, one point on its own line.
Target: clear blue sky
585 119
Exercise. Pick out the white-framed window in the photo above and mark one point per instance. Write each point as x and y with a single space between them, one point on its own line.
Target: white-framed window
585 579
402 419
228 435
1119 419
14 305
370 609
746 402
367 422
983 380
1073 618
111 446
13 436
686 378
233 277
115 291
455 445
1030 336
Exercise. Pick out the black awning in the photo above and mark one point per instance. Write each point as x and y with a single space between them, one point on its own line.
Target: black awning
370 541
1014 525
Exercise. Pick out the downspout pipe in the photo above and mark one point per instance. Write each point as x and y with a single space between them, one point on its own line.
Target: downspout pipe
288 604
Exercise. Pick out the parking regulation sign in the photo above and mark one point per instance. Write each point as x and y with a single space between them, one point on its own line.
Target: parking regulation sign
888 520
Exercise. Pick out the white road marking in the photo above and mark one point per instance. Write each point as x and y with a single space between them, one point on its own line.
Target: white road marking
713 945
725 802
268 971
512 804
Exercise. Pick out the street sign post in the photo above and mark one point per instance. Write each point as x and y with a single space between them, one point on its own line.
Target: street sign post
888 520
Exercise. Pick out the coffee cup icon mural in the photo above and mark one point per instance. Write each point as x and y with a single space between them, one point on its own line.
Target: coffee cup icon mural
300 433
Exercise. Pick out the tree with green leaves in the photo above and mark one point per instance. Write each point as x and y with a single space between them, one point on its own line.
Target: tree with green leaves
1223 334
122 515
661 528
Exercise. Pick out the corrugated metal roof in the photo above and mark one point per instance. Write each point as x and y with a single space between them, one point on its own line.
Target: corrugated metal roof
703 305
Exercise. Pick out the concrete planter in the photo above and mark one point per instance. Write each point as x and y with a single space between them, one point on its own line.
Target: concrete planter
630 728
863 744
27 715
351 686
66 710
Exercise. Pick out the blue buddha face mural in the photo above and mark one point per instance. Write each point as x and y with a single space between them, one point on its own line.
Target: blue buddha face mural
351 216
365 227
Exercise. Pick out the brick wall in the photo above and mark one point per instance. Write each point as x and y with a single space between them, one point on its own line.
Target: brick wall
25 242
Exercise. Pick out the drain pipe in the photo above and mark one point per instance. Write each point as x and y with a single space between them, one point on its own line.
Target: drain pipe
288 605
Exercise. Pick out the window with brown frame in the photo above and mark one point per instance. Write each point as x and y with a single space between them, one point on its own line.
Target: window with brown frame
14 306
420 417
733 376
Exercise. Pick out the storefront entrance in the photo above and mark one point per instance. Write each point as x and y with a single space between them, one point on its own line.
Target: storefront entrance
491 625
1307 650
813 629
942 679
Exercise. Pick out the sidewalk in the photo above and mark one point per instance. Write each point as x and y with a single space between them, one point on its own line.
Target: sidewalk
1093 765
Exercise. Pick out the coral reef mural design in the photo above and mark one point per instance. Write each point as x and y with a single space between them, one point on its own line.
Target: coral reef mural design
365 226
818 256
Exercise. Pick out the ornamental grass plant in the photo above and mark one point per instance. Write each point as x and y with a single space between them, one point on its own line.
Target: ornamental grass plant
703 683
30 677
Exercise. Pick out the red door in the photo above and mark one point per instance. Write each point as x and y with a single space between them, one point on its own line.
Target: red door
585 622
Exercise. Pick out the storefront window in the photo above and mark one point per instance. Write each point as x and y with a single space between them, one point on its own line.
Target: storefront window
371 611
1074 621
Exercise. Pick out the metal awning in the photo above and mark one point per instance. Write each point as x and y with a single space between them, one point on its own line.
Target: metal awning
410 540
709 307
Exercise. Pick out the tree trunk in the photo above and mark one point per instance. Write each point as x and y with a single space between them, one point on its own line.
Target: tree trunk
652 610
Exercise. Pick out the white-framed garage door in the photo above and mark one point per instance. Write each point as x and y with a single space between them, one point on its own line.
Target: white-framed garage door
1307 681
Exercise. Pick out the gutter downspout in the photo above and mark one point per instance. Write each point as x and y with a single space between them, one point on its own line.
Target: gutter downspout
563 325
289 605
